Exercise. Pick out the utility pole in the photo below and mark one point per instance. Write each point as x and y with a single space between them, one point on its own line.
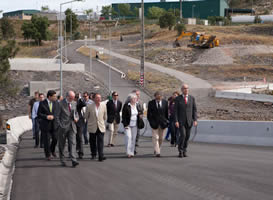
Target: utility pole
110 59
180 10
90 44
141 81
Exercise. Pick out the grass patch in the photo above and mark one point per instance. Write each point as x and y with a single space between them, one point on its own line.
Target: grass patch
156 81
86 52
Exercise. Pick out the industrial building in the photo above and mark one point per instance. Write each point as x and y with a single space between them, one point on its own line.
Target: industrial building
21 14
190 9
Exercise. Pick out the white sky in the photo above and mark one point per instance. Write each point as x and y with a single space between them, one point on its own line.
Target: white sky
12 5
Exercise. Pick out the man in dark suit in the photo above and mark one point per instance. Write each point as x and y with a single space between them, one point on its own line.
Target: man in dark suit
113 117
81 105
68 129
157 115
185 116
48 114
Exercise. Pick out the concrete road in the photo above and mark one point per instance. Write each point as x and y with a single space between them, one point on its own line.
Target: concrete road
100 72
212 172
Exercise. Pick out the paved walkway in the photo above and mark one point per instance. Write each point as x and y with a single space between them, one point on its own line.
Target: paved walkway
212 172
100 72
194 83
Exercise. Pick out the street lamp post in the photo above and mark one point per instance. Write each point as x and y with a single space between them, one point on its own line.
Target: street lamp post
192 12
141 81
61 46
180 10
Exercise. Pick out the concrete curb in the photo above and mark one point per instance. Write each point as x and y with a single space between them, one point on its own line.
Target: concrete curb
18 126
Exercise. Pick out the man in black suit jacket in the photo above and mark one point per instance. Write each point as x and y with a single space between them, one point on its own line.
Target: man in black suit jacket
48 114
185 114
113 117
158 118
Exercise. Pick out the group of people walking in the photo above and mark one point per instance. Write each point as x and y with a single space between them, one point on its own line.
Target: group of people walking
71 118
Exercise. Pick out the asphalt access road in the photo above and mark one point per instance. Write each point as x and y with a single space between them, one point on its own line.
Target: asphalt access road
100 72
211 172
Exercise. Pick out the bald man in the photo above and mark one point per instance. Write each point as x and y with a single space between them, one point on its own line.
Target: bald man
185 116
68 119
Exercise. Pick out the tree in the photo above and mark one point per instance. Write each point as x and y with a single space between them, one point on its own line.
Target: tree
136 12
106 11
155 12
167 20
75 24
36 29
89 12
125 9
7 29
8 50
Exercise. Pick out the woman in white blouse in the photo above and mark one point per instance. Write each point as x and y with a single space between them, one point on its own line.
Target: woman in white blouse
130 114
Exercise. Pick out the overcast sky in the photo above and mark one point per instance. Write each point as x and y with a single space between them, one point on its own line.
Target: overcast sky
11 5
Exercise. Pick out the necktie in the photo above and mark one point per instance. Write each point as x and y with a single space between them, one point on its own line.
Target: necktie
158 105
69 107
50 106
185 99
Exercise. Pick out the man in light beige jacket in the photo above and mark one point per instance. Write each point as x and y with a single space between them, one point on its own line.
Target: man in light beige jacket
96 114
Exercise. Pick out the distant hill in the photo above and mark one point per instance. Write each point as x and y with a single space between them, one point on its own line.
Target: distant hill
260 6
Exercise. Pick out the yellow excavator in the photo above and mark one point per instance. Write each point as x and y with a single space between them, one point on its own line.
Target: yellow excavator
198 39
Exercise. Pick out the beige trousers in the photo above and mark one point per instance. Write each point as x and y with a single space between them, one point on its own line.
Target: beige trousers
157 139
113 132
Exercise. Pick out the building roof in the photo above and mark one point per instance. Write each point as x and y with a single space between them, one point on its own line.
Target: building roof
30 12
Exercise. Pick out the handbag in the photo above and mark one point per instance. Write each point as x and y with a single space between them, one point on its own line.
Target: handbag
140 123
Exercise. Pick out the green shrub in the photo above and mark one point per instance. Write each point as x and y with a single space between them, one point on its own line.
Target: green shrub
167 20
180 28
257 19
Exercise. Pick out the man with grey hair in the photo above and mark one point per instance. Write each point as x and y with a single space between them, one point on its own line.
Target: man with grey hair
68 119
185 116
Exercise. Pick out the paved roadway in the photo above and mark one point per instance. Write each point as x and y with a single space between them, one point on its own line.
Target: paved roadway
212 172
122 86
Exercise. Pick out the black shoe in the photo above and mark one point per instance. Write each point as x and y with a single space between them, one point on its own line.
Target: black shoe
80 156
157 155
74 163
185 154
112 145
135 152
102 159
54 155
86 143
137 145
93 157
180 155
63 164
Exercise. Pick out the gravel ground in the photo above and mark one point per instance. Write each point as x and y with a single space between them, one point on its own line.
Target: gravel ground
2 151
208 107
77 81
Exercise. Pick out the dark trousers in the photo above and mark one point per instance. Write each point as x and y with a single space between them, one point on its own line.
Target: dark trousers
63 135
50 142
96 143
137 136
79 145
184 136
85 134
38 139
174 132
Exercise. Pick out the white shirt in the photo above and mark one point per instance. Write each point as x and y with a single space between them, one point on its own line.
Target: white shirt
134 114
97 110
160 103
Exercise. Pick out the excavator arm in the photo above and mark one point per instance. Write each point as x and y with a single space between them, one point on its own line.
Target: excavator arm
183 34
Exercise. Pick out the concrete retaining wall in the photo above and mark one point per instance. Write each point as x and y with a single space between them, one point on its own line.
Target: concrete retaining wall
43 86
36 64
234 132
244 96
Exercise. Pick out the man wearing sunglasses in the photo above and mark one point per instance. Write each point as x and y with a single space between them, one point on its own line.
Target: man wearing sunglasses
113 117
